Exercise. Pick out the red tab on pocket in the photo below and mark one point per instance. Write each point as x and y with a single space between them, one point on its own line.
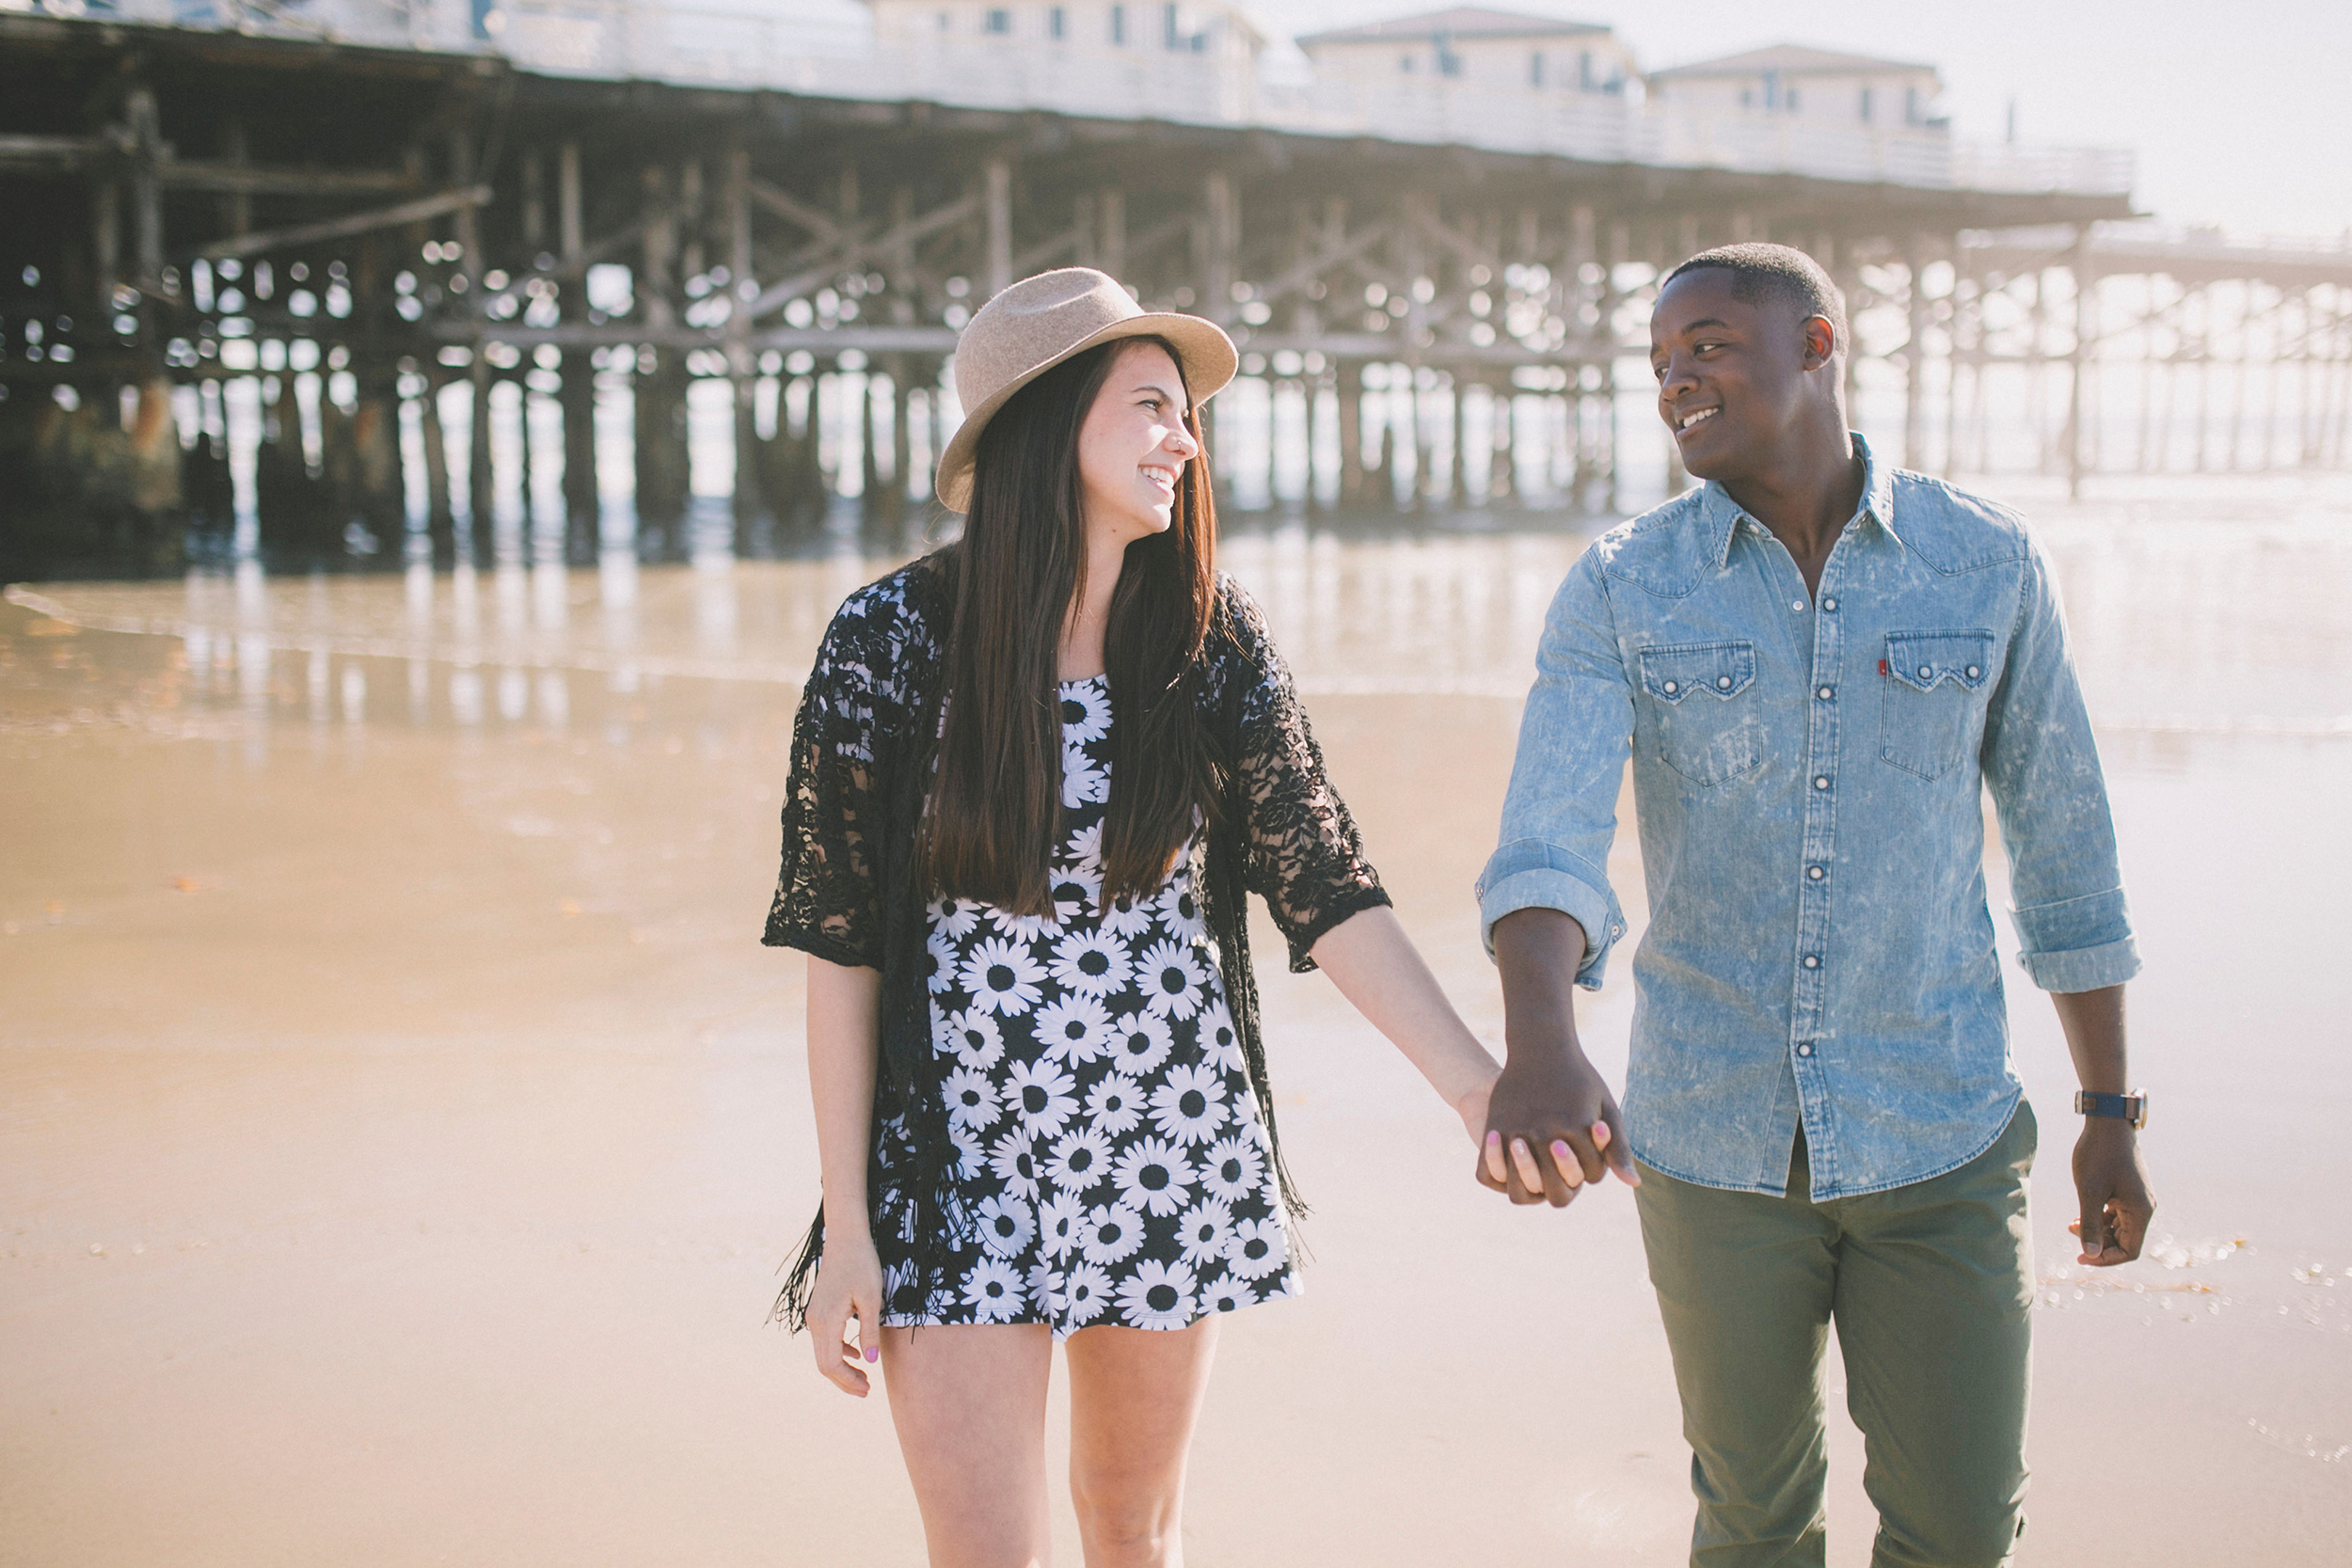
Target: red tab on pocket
1883 670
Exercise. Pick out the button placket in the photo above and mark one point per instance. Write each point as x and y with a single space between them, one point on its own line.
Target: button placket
1820 821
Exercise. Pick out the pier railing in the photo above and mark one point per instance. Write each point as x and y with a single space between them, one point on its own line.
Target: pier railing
636 40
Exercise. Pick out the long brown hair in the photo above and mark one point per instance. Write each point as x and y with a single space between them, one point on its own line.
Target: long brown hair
993 816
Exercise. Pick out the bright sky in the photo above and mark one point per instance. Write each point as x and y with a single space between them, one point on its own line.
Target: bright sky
2240 110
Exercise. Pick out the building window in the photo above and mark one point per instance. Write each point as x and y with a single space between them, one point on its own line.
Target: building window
1171 35
1405 64
1119 26
1535 68
1792 101
945 21
999 22
1584 70
1865 106
1448 63
1747 98
1054 23
1911 105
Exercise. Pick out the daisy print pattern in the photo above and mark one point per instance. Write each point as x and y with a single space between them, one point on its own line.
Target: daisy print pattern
1108 1159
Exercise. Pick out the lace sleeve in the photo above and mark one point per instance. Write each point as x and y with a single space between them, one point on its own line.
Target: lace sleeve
1301 851
828 897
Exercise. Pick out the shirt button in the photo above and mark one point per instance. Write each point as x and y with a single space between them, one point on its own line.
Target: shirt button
1723 681
1972 671
1797 605
1673 687
1927 671
1812 961
1825 693
1815 872
1805 1049
1829 604
1821 783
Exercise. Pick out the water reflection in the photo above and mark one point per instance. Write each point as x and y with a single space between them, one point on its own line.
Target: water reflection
2196 617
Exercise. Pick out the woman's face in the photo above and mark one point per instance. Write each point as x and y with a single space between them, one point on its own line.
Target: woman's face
1133 446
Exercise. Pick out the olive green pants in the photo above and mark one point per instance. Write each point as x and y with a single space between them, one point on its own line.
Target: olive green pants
1931 1288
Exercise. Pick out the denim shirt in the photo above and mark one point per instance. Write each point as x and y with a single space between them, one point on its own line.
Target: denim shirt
1807 775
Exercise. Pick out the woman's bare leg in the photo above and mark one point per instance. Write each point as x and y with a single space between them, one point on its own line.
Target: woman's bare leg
1135 1396
969 1403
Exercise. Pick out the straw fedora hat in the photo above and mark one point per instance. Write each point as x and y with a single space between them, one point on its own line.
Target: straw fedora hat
1038 322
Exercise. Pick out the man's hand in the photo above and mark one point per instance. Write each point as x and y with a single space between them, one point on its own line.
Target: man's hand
1552 1124
2113 1185
2108 1176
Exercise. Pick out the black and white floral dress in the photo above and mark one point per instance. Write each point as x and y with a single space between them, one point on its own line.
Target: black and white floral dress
1071 1120
1110 1152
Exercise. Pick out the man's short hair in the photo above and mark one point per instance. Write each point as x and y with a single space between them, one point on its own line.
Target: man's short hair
1761 271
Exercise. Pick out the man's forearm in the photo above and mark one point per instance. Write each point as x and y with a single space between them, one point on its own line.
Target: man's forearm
1538 952
2094 1022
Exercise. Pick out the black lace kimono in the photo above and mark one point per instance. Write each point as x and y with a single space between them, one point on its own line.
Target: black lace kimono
861 765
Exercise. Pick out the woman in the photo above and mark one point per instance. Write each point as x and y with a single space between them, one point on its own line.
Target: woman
1033 775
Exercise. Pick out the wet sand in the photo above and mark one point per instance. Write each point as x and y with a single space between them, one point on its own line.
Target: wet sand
399 1127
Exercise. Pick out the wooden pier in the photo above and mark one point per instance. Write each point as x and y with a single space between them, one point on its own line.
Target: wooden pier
205 227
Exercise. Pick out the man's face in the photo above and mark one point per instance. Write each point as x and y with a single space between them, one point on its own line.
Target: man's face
1732 374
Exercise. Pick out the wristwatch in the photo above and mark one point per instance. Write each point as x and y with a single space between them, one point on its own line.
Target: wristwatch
2126 1107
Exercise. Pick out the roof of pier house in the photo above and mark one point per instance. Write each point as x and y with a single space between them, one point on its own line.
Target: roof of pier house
1488 48
1461 22
1818 85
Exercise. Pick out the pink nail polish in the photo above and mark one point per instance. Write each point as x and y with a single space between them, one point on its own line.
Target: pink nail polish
873 1352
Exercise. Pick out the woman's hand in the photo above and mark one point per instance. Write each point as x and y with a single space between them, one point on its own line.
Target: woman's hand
1470 1105
848 1288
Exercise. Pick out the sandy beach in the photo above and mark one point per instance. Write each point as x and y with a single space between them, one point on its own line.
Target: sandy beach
400 1125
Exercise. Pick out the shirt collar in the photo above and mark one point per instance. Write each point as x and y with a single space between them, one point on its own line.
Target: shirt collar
1721 514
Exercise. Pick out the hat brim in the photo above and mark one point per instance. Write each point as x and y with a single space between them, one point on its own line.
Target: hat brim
1203 353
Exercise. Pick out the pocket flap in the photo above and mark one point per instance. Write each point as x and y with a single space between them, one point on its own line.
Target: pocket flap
1921 660
1718 669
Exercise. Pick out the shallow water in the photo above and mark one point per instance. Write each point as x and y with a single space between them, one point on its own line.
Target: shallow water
399 1126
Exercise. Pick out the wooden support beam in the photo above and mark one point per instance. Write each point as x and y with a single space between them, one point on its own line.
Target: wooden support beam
236 211
231 178
1111 230
61 155
535 213
147 196
106 242
358 223
567 203
996 181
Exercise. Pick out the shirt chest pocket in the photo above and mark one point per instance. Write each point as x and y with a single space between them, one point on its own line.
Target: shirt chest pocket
1931 709
1703 710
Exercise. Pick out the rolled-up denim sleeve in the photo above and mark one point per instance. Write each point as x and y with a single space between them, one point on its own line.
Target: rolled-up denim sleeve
2073 928
1560 815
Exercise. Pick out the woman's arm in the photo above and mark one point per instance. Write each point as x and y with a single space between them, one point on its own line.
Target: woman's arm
844 1040
1377 967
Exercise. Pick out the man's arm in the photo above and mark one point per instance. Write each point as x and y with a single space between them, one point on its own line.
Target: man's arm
1550 915
2073 928
2109 1176
1549 1097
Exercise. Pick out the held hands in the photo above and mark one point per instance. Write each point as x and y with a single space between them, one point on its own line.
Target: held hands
2113 1184
1551 1126
849 1288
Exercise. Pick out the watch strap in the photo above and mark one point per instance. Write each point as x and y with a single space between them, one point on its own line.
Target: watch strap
2124 1107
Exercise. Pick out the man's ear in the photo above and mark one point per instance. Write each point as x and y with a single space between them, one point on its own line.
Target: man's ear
1820 342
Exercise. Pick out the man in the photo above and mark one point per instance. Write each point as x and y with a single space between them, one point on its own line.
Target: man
1818 664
